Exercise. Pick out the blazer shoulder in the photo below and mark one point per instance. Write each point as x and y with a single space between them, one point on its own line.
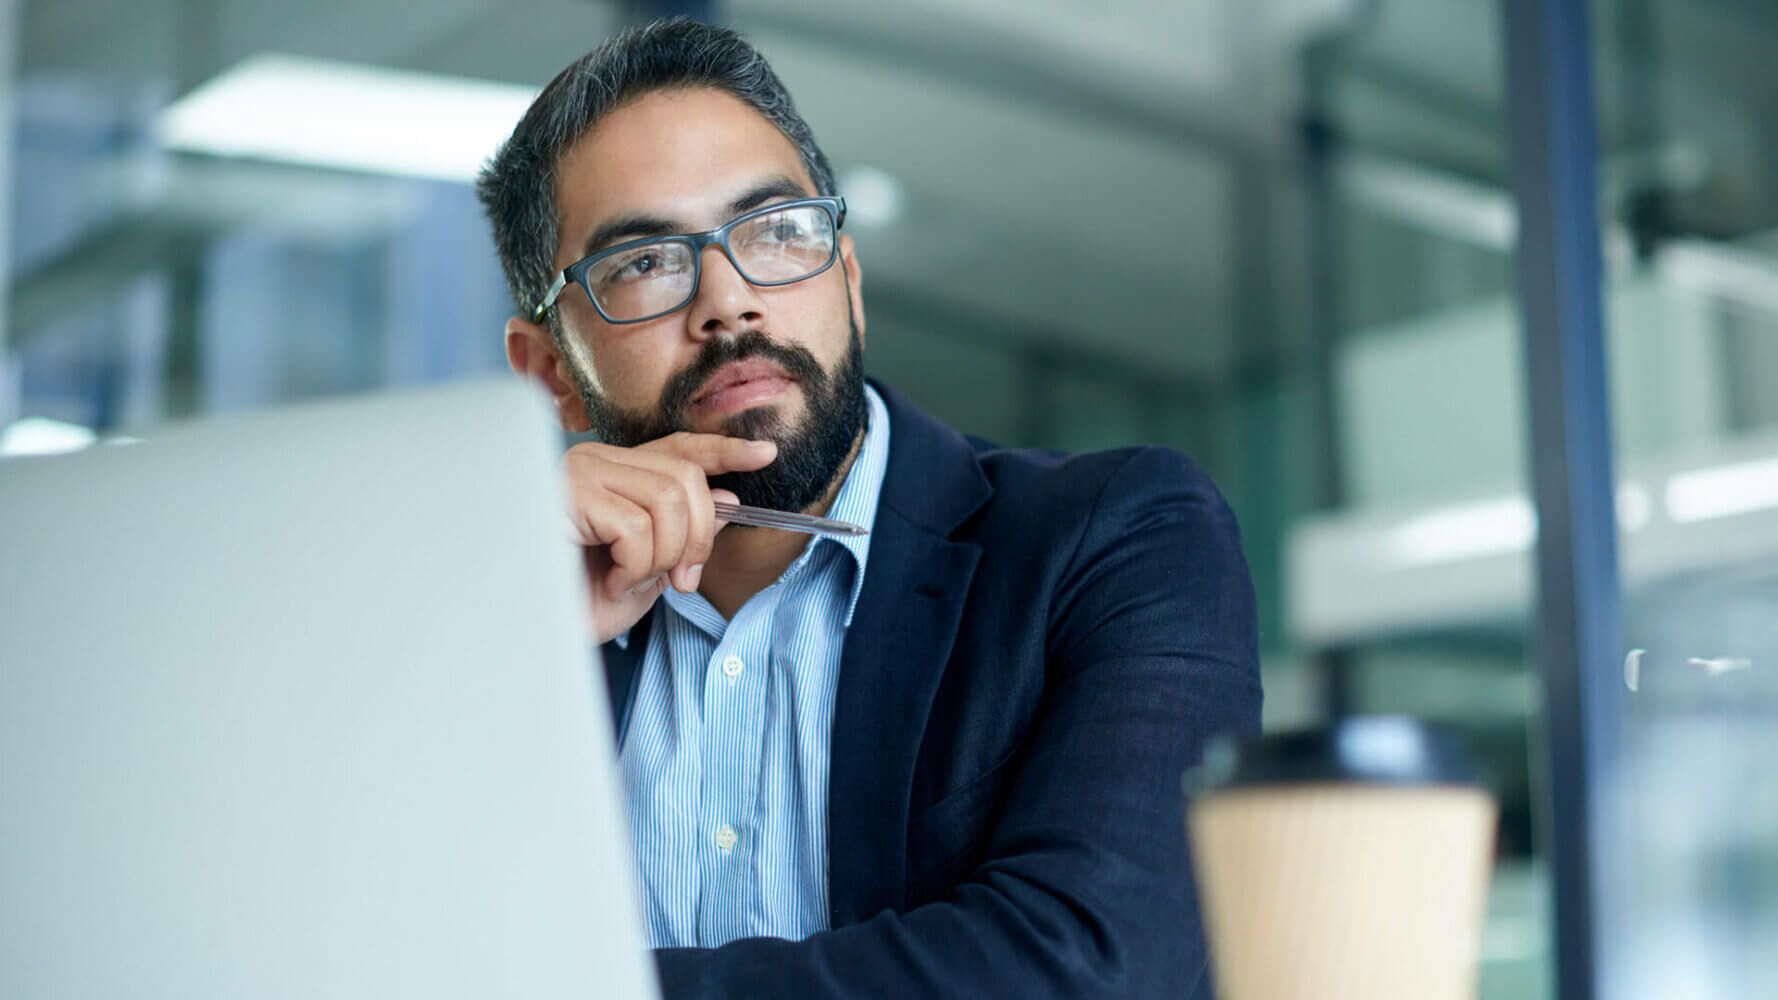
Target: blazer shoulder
1076 505
1139 553
1108 479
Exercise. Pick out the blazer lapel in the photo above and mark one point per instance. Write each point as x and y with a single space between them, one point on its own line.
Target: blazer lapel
894 655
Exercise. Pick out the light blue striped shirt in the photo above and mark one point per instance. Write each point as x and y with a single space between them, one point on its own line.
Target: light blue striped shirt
725 757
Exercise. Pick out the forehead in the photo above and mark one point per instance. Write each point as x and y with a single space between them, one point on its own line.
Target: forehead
674 154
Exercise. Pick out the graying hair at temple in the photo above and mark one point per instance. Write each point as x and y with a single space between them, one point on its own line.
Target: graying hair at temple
517 187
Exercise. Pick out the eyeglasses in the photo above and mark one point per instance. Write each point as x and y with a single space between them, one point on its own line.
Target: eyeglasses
648 278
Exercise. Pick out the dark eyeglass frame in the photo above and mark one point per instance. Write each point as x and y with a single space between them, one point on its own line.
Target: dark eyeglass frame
577 271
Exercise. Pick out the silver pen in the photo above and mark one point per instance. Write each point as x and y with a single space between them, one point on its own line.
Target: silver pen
759 517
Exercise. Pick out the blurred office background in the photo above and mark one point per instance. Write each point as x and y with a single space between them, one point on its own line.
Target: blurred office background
1276 234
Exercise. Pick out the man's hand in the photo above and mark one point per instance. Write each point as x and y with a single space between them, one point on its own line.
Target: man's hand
647 516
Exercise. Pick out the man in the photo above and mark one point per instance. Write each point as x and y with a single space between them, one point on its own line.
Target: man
941 760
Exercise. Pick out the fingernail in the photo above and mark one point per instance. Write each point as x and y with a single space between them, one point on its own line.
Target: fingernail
645 586
761 445
696 575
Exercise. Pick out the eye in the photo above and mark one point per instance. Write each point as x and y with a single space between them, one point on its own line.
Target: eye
641 264
787 230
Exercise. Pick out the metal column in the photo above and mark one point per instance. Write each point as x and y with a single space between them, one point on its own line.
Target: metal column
1554 156
1319 142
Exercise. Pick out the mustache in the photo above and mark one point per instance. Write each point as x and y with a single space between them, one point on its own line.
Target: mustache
796 362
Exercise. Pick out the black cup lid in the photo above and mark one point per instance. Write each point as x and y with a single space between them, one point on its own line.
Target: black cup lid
1377 750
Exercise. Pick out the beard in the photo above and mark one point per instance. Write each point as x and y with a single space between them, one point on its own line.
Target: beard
809 454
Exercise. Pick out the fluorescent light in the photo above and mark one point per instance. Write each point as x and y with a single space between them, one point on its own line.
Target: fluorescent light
42 436
1490 527
331 114
1723 491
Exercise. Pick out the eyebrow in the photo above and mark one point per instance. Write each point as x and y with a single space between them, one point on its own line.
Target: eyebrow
626 227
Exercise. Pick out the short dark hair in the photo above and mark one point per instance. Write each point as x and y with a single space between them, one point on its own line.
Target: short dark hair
517 187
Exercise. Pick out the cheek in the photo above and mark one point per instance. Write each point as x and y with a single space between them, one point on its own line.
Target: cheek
631 369
837 333
822 324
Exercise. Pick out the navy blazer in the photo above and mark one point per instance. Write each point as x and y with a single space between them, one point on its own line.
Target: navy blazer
1043 644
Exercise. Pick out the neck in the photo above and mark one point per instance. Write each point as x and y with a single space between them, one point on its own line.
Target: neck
745 561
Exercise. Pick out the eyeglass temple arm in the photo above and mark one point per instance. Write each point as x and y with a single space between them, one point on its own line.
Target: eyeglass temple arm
549 299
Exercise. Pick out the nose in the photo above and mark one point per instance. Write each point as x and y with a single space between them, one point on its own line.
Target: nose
726 304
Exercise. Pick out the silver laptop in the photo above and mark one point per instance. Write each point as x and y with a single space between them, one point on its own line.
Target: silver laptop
303 704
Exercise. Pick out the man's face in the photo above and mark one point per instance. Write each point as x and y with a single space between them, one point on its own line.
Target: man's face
780 362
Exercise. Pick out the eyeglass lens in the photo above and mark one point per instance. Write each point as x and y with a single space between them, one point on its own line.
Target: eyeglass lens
773 248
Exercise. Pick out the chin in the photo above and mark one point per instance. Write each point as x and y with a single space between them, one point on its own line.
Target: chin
754 423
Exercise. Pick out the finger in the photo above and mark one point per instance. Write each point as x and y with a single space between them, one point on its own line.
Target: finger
701 524
612 613
690 572
686 576
672 491
642 592
668 505
612 617
700 531
715 453
625 530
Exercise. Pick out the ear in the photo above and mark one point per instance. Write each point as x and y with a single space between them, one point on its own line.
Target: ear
854 281
531 351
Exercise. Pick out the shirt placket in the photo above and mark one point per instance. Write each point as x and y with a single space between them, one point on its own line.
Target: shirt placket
734 692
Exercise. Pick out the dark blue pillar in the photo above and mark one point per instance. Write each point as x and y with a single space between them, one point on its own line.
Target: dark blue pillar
1579 632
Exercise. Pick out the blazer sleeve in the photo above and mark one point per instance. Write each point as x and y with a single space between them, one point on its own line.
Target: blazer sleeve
1086 889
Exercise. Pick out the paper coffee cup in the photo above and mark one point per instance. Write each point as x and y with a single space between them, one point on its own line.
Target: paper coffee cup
1348 862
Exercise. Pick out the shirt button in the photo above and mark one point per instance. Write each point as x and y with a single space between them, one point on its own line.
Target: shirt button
733 667
726 838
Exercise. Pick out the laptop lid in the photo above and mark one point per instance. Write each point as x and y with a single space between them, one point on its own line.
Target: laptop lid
302 703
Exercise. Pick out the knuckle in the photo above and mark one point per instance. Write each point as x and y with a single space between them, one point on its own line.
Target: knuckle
583 465
672 497
585 451
633 524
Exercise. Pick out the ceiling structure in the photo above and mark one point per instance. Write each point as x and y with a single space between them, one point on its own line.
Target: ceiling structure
1090 177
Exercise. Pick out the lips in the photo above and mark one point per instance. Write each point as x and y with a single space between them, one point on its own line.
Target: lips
738 373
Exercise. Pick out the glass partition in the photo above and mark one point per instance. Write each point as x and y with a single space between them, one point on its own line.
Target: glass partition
1690 170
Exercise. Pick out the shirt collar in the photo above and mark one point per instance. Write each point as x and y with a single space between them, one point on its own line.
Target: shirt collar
858 496
856 502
